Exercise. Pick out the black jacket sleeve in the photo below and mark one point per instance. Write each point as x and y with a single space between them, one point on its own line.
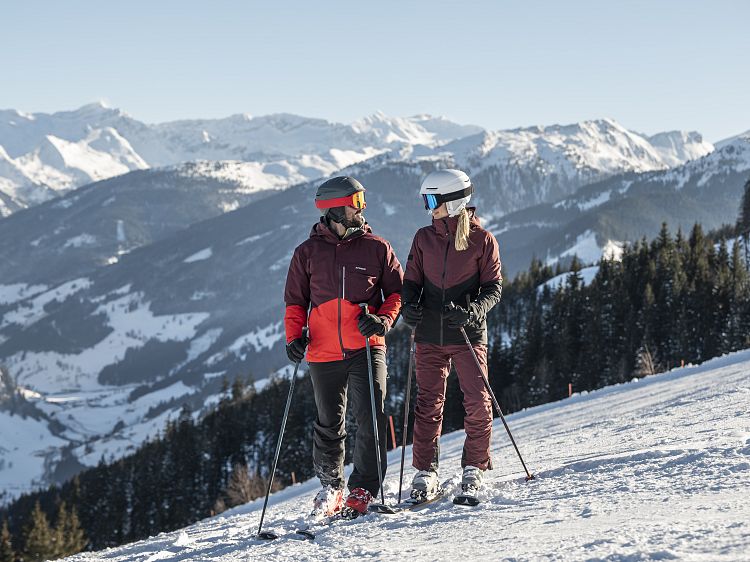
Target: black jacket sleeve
489 296
490 278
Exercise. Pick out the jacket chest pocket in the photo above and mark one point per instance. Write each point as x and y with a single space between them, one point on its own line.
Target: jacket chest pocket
358 282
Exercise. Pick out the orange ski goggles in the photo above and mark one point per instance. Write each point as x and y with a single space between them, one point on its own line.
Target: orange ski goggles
356 200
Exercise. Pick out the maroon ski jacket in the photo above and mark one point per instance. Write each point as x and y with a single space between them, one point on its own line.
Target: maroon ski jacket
437 274
332 277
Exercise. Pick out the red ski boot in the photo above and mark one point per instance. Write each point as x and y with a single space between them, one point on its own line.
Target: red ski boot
357 502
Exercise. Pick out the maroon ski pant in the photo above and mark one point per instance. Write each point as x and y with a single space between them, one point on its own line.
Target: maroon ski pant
433 367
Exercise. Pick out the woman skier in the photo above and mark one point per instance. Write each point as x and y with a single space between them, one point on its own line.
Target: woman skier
452 281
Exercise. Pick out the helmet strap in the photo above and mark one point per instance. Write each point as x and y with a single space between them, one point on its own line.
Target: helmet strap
336 214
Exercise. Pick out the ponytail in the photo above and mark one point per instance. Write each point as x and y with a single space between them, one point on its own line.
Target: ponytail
462 231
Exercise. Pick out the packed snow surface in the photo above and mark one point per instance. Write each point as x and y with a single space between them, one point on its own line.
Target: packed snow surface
654 469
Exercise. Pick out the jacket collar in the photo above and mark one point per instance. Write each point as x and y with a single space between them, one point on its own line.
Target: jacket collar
448 225
321 230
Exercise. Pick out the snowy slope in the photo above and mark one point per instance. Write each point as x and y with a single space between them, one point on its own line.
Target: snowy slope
677 147
655 469
587 275
25 453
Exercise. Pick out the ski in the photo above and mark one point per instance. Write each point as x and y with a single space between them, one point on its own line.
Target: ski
382 508
309 532
410 504
466 499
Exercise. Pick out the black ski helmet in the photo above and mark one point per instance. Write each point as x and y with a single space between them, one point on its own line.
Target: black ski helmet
334 194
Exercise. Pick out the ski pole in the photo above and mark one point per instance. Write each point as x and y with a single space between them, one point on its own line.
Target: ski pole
374 415
529 476
268 535
407 399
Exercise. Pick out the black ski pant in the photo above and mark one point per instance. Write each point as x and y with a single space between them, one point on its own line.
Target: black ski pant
333 382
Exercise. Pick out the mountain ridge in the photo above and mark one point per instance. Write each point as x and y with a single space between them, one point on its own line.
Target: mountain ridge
43 154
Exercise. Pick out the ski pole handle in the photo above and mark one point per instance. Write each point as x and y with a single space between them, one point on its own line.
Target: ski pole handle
365 310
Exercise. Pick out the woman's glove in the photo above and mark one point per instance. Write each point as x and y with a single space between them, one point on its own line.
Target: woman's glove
412 314
457 316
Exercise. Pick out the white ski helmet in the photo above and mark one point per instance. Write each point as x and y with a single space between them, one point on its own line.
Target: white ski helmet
452 187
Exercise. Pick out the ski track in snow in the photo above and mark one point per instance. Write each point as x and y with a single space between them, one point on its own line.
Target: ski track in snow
655 469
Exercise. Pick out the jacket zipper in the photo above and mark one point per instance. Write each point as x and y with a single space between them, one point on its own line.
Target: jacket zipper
343 289
442 282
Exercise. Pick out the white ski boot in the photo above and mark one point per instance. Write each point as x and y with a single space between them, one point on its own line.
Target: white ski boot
425 485
471 482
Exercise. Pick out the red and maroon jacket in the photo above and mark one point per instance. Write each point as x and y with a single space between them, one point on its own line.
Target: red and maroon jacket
437 274
332 277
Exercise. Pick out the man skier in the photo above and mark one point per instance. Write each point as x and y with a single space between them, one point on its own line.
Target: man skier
342 265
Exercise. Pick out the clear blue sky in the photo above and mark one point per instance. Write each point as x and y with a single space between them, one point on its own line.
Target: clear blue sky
652 65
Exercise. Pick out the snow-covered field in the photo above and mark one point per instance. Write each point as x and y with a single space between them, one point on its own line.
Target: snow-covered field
655 469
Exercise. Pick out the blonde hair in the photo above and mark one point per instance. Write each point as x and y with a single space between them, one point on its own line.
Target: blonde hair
462 231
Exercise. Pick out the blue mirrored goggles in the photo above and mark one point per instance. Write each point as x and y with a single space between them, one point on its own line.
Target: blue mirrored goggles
430 202
433 201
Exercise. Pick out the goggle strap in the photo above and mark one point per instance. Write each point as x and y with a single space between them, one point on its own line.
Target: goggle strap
348 201
456 194
440 198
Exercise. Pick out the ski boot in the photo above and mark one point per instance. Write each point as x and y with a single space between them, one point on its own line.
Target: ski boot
424 485
328 501
356 503
471 482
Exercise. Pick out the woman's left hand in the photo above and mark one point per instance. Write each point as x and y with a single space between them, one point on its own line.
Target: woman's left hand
457 316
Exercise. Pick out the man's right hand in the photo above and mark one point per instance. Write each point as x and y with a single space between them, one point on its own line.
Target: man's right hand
412 314
295 349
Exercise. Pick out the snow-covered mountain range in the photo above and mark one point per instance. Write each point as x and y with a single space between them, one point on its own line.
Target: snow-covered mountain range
523 167
626 207
654 469
44 155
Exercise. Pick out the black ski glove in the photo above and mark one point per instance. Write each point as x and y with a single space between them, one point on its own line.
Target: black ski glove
457 316
295 349
371 325
412 314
